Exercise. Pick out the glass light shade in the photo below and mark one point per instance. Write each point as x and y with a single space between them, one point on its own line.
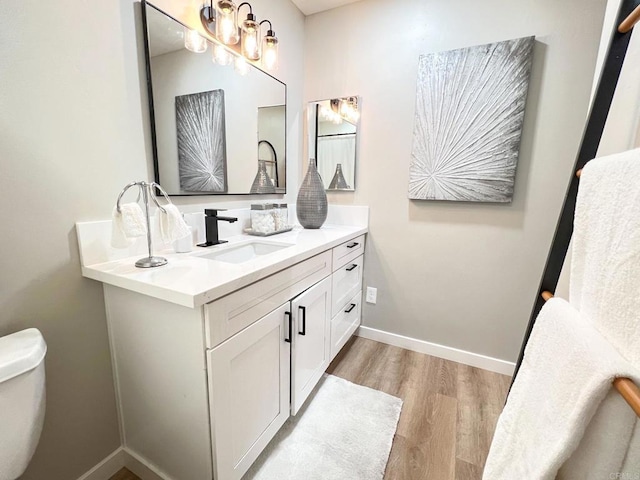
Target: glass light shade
251 39
193 41
227 22
270 52
241 66
221 55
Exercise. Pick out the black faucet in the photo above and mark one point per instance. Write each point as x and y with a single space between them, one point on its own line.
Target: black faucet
211 226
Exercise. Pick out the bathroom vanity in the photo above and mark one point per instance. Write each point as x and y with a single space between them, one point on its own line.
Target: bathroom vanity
213 352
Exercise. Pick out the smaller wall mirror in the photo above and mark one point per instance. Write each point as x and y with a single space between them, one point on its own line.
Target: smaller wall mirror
333 132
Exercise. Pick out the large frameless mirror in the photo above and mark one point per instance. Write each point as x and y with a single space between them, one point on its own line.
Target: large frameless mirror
218 123
333 133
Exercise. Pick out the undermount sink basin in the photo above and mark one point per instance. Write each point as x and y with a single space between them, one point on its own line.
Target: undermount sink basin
245 252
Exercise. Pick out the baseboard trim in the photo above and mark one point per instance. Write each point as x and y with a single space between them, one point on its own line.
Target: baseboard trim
441 351
107 467
143 468
123 457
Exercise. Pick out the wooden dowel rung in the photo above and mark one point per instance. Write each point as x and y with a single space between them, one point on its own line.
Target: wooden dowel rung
628 23
629 392
546 295
625 386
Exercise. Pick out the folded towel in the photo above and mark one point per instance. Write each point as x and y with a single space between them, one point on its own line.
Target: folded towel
127 225
172 225
566 373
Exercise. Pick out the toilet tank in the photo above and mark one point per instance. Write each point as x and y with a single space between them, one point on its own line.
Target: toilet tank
22 399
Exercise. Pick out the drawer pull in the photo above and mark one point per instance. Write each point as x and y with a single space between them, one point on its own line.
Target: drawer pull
351 307
354 244
353 265
288 314
304 320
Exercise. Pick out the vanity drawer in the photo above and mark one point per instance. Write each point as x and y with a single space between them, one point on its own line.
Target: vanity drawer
347 251
230 314
345 323
346 281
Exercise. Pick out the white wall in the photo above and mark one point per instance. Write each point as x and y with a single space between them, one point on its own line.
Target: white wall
72 134
460 275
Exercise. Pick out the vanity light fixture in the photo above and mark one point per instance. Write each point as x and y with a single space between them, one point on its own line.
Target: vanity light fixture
221 55
241 65
270 48
342 109
193 41
250 35
227 22
220 20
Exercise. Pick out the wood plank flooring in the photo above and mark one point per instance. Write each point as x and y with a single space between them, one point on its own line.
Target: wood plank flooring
449 412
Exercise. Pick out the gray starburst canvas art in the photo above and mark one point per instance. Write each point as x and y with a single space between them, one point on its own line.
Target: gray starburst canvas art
202 157
468 121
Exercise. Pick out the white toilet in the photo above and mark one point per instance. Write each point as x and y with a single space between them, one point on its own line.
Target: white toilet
22 399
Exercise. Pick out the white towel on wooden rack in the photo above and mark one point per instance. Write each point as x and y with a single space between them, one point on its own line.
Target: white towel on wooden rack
127 224
562 417
605 288
566 372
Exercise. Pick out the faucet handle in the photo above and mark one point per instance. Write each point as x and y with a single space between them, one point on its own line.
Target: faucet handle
213 212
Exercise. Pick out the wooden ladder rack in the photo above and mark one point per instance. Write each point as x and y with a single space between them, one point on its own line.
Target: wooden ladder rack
628 16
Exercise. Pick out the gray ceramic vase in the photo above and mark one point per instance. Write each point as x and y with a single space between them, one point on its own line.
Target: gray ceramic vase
311 206
262 183
339 182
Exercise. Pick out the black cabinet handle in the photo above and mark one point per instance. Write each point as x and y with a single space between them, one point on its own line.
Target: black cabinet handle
353 265
354 244
304 321
351 307
288 314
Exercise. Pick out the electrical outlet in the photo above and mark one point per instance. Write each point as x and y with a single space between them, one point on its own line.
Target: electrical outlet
372 295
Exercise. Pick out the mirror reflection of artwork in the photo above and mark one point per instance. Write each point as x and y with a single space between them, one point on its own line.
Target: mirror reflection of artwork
333 128
469 113
202 157
174 71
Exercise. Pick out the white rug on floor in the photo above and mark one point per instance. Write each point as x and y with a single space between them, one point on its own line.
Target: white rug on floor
344 432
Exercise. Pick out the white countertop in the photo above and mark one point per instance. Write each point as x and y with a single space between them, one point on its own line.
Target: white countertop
192 281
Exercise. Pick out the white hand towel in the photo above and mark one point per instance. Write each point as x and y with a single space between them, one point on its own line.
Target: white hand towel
566 372
172 225
605 287
127 225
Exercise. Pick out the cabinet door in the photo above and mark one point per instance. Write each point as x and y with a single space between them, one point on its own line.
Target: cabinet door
249 385
311 347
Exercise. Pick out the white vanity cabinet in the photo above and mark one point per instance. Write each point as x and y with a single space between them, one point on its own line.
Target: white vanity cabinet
202 391
311 342
264 372
249 384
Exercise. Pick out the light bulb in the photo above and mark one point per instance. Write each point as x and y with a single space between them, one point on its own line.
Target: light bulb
221 55
270 51
250 43
241 65
226 22
193 41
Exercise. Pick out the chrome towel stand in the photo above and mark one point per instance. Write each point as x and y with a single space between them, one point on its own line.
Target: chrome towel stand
147 191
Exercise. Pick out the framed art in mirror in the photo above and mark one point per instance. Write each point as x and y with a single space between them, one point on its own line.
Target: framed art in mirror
214 117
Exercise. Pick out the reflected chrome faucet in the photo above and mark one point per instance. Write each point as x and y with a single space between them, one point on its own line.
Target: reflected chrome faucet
211 226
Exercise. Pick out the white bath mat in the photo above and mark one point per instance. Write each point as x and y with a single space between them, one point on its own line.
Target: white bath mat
344 432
